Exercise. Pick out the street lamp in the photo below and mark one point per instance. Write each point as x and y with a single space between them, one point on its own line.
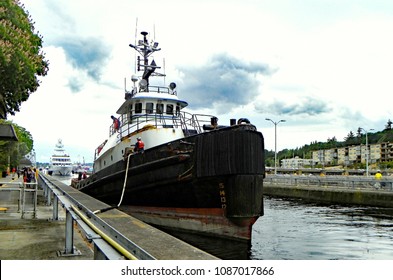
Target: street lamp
366 148
275 142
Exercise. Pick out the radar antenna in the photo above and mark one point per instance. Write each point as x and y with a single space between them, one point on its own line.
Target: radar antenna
145 49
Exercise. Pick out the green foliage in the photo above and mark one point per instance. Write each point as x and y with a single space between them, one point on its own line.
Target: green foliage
21 58
11 152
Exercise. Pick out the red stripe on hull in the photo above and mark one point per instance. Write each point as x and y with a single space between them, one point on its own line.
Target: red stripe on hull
203 221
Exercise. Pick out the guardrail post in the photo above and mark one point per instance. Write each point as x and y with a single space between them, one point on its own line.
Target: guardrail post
20 197
44 187
48 197
69 234
23 201
35 199
55 214
69 249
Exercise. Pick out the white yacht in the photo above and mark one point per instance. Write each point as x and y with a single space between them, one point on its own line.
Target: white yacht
60 161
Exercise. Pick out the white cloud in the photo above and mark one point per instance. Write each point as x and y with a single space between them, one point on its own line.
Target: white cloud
332 63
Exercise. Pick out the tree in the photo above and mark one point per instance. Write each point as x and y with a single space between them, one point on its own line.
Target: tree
359 132
350 136
351 139
332 140
11 152
21 57
388 126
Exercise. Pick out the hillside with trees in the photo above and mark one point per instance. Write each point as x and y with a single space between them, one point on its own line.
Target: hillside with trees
356 137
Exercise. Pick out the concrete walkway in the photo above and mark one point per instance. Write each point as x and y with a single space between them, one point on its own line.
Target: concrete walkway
30 238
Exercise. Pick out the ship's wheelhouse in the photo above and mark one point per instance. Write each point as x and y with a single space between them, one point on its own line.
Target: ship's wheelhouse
159 109
151 107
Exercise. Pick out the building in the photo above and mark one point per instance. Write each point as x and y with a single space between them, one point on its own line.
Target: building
296 163
375 153
380 152
325 157
386 151
7 133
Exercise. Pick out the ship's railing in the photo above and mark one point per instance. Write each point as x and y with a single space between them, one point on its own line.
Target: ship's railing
190 123
196 121
157 89
348 182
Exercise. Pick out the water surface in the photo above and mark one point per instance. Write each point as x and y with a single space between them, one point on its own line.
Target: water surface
292 229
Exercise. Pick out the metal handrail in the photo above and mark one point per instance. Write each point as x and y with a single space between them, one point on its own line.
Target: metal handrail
351 182
22 189
106 231
159 119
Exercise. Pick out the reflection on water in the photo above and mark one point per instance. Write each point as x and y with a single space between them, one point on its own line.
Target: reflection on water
219 247
300 231
294 230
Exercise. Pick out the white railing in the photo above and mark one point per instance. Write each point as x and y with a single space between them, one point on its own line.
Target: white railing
23 189
185 120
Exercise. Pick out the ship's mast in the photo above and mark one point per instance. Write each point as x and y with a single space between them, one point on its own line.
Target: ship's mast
146 49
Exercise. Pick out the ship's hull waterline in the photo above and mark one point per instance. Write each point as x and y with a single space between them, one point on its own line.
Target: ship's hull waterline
209 184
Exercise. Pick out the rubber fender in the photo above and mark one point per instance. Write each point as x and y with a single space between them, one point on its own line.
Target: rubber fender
243 120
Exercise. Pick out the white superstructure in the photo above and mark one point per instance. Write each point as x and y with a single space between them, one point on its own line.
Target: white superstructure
154 113
60 161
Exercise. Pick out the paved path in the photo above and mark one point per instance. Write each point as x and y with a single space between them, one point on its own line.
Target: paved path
30 238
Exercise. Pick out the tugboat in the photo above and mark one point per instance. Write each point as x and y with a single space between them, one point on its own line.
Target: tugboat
192 176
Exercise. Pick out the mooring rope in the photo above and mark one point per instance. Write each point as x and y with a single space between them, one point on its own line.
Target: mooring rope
125 180
122 192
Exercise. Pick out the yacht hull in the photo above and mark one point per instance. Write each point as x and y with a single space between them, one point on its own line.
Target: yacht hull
61 170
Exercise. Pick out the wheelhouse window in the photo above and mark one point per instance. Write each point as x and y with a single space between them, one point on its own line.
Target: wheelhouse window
149 108
138 108
177 110
169 109
159 108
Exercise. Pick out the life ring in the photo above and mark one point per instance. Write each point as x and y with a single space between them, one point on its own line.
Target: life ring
243 120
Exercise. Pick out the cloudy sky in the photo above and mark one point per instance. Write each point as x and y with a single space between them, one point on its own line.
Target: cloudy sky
324 66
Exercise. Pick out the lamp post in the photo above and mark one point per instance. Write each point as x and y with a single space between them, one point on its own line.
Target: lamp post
275 143
366 148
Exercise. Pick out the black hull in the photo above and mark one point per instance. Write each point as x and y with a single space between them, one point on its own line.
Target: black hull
210 183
